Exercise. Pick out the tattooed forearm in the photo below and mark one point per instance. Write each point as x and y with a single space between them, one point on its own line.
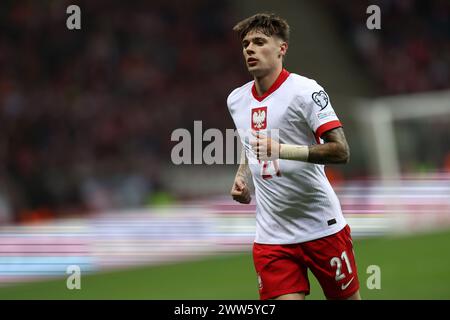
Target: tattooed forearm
335 150
244 170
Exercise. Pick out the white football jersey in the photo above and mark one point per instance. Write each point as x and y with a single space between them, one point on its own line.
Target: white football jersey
294 200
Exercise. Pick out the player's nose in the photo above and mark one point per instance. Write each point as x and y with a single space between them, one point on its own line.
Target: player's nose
249 50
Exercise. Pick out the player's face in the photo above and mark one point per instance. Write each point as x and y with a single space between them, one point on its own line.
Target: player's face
262 53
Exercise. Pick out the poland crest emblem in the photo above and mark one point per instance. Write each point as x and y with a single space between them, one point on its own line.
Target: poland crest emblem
259 118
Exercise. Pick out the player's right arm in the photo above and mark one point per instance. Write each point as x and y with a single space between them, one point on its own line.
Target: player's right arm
240 190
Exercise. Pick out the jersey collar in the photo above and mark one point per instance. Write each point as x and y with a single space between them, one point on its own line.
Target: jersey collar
284 74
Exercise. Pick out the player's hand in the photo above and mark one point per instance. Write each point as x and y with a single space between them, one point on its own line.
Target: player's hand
264 147
240 192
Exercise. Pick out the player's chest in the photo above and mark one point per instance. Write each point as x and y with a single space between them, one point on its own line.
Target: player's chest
264 115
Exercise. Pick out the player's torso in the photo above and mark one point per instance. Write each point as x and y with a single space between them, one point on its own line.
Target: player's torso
277 112
294 199
278 116
270 113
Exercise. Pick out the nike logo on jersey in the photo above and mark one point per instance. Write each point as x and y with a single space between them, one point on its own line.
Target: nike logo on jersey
345 286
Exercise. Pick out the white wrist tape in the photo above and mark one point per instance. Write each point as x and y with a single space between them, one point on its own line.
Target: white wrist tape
294 152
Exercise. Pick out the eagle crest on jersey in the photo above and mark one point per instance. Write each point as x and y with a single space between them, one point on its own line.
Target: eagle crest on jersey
321 99
259 117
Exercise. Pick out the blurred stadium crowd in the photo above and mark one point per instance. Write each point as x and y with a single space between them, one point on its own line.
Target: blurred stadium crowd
411 51
86 115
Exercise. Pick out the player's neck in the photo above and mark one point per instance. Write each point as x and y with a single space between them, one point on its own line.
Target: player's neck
263 83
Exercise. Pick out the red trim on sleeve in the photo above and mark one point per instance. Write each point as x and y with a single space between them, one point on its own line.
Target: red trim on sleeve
284 74
327 127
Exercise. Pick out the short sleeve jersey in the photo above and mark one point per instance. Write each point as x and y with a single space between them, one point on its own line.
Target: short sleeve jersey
294 200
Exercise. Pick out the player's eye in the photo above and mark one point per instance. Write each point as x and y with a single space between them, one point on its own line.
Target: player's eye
259 42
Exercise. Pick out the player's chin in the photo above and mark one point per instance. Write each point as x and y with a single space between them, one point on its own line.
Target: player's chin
254 70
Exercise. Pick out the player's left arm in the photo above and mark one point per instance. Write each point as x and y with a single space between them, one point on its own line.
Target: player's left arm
335 150
314 107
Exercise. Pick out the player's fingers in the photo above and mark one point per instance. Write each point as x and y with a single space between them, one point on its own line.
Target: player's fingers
247 199
243 198
268 150
236 198
255 146
240 184
263 158
262 150
236 193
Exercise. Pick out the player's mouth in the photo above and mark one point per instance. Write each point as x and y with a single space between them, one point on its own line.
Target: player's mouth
252 61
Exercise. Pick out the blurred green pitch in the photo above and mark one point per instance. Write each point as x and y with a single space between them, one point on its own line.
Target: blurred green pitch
414 267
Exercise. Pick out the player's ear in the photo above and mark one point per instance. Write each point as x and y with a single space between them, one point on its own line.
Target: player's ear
283 49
